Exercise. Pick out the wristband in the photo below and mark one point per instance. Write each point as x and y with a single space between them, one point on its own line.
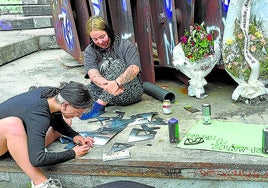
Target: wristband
117 83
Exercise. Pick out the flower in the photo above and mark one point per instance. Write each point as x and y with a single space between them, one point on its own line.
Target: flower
233 53
229 41
197 44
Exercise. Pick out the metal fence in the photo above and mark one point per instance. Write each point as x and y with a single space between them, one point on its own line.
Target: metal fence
154 25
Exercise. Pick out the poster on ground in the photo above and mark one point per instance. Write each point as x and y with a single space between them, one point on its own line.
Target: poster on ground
228 137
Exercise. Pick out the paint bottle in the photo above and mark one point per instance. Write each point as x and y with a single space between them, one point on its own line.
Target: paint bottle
166 107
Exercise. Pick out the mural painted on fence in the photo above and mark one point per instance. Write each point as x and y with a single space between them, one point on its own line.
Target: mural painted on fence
65 29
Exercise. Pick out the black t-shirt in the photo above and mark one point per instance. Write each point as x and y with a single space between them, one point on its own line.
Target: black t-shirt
35 114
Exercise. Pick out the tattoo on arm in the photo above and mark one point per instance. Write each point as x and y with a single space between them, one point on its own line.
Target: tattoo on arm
96 77
130 73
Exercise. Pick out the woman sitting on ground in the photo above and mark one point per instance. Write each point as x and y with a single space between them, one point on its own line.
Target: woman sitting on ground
32 120
113 66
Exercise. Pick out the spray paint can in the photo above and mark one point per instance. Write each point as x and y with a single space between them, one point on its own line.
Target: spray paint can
265 140
206 113
173 130
166 107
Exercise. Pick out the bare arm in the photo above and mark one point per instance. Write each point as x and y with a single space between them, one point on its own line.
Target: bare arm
114 86
109 86
130 73
97 78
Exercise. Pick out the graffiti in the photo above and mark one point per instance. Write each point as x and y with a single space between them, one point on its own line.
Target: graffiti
254 174
168 7
169 43
225 6
54 6
173 172
58 31
67 29
124 5
97 6
63 29
216 173
5 25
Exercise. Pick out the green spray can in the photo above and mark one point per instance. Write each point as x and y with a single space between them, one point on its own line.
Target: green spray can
265 140
173 129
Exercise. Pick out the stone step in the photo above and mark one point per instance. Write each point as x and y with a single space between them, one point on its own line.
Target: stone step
36 10
39 2
20 22
26 7
10 9
29 14
17 44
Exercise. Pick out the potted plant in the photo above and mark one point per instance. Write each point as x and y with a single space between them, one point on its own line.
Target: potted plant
196 55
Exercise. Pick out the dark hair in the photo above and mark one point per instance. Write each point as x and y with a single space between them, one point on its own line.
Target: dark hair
75 93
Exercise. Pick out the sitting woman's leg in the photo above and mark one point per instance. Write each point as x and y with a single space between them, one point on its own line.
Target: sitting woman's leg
13 138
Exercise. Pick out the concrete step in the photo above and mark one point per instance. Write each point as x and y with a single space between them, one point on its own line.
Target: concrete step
20 22
29 14
26 7
39 2
17 44
10 9
36 10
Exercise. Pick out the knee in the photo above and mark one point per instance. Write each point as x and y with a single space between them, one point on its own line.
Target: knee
14 126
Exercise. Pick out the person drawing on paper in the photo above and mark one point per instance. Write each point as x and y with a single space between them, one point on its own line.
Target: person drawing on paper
30 121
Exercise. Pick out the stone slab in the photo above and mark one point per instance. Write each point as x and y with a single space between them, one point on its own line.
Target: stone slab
20 22
36 10
16 44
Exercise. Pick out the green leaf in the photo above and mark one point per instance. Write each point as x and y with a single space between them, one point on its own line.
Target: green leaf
204 44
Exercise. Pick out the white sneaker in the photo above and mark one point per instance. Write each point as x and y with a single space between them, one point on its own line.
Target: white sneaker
50 183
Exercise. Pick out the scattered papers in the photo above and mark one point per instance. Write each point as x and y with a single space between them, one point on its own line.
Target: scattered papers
123 154
140 135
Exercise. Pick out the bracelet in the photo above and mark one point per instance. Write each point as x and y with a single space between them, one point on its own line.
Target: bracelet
117 83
